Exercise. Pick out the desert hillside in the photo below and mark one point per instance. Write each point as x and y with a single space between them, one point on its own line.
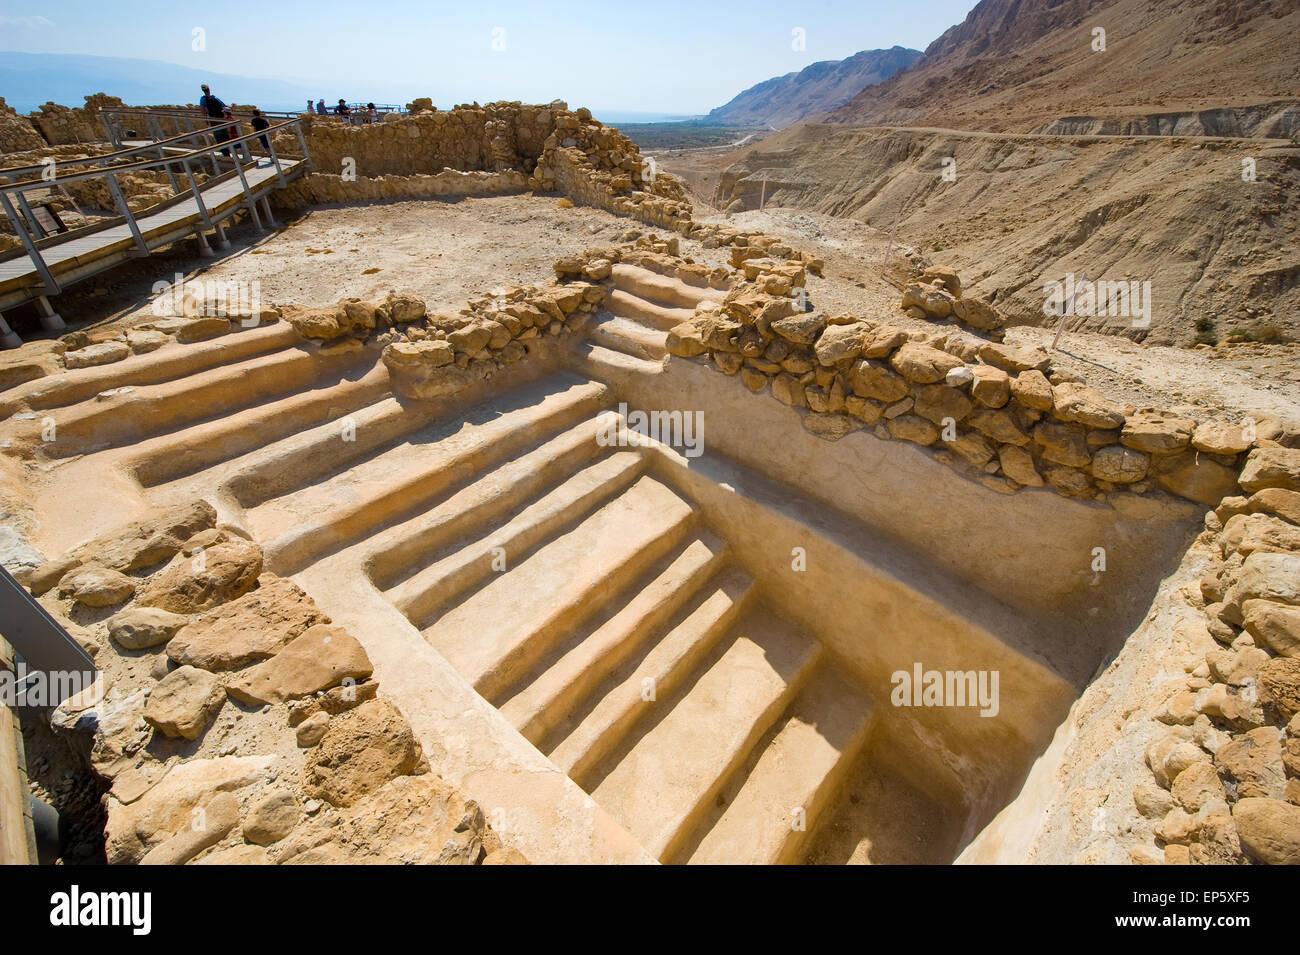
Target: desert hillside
784 100
1016 65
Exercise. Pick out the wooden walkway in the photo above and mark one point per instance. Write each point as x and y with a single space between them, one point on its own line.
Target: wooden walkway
78 258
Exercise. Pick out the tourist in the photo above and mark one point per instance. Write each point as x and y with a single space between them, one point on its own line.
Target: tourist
260 122
226 131
372 114
214 109
342 110
320 107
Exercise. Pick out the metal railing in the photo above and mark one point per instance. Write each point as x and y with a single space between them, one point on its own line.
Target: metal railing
174 154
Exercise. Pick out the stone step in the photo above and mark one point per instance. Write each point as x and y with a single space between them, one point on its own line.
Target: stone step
628 305
544 702
167 364
403 550
662 289
182 453
404 476
148 410
674 771
612 365
426 594
499 632
626 335
592 734
798 774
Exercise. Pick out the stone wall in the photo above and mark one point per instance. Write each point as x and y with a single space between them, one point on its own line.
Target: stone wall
17 134
61 125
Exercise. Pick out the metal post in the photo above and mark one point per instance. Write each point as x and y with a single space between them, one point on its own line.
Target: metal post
51 320
38 260
276 161
8 337
109 131
27 214
266 207
303 143
168 169
156 127
123 208
248 197
204 249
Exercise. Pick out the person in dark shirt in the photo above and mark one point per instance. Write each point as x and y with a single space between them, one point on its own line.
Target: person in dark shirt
342 109
260 122
215 111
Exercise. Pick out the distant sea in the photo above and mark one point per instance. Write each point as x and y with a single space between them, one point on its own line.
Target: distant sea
617 116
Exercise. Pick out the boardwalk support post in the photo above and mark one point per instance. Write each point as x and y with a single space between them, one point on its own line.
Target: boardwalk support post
51 320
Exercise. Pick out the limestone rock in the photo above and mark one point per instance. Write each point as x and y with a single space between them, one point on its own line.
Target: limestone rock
1075 402
832 427
1119 465
1014 359
166 808
211 824
991 386
138 628
1220 437
881 341
271 818
999 425
184 702
319 658
1273 625
238 855
310 731
150 541
1272 467
1198 786
938 402
910 427
1275 500
1063 443
801 329
101 354
97 586
977 313
1018 465
923 364
252 627
841 342
1253 763
197 583
360 752
1032 389
1279 684
1156 433
1269 576
1197 478
874 379
1269 830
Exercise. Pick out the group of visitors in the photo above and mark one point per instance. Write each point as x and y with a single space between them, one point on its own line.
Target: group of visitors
225 127
343 111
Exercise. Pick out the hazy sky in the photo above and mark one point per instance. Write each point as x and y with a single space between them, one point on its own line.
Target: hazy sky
662 56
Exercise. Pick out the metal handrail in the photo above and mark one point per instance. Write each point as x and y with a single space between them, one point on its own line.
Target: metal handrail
30 232
118 154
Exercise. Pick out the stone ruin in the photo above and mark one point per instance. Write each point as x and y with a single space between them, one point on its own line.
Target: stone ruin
403 585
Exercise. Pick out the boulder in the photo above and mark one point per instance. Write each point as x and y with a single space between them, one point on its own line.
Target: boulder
1119 465
1063 443
319 658
150 541
991 386
1195 477
1273 625
97 586
923 364
184 702
1014 359
937 402
1156 433
359 753
1275 500
840 343
271 818
1279 685
910 427
978 314
999 425
1018 464
211 577
1220 437
874 379
832 427
1078 403
1269 830
250 628
1271 467
1269 576
882 340
139 628
801 329
1032 389
211 823
1252 763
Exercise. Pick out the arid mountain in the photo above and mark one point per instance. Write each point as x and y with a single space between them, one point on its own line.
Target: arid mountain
1020 154
784 100
1041 65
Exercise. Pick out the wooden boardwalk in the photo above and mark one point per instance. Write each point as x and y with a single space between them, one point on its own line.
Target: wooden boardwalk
97 250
